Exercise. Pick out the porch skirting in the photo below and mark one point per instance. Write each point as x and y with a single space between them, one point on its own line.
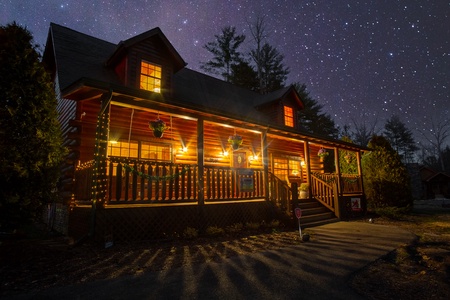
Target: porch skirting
157 222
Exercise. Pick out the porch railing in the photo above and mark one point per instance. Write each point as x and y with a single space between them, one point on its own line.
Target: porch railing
222 183
351 184
280 193
325 190
150 182
134 182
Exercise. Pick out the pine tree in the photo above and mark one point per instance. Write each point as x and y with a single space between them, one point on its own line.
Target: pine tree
30 138
312 119
273 71
244 75
400 138
225 53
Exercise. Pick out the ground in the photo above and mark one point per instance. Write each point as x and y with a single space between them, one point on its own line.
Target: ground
417 271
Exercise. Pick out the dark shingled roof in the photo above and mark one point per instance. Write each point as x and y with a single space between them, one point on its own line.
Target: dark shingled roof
217 96
80 56
82 61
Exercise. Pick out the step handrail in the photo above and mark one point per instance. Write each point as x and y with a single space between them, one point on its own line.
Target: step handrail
325 192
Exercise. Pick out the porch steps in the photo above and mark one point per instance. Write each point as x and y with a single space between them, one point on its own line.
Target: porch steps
315 214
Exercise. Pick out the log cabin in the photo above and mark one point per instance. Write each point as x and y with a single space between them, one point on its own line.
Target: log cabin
155 147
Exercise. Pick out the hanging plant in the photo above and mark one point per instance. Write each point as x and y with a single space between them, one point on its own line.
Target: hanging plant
348 158
158 126
235 141
322 154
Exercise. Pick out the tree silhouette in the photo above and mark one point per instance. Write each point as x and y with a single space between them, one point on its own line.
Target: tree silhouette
30 138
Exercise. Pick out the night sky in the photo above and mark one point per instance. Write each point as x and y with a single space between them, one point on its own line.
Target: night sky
362 60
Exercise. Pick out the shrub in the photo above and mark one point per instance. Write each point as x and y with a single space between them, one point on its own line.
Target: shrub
190 233
252 225
274 224
234 228
394 213
214 231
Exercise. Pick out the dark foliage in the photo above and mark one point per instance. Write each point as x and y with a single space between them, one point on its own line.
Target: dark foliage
386 180
30 147
312 119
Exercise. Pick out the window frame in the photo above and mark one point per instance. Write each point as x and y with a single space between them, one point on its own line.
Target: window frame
160 149
288 116
154 86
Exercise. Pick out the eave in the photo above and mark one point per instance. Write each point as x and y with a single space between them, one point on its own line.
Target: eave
85 89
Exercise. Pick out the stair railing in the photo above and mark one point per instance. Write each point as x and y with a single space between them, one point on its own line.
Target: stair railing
325 190
280 193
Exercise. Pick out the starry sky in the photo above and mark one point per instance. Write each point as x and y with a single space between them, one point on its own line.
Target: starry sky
363 60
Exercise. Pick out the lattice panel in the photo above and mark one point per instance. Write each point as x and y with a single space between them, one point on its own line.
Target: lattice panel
147 223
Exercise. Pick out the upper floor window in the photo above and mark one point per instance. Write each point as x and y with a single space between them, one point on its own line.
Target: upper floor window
150 78
288 116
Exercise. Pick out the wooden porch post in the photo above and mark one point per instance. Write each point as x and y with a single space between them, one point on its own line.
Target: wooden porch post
200 160
99 184
265 162
338 197
307 164
358 161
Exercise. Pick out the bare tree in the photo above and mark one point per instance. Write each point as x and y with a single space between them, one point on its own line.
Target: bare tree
258 31
363 132
436 136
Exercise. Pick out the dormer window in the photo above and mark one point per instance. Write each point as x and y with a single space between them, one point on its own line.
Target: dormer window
288 116
150 79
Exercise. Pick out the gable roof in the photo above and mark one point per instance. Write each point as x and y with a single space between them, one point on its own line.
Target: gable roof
281 94
429 174
81 61
155 32
78 55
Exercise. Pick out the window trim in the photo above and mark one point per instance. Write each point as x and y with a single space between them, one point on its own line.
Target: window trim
288 116
156 88
139 150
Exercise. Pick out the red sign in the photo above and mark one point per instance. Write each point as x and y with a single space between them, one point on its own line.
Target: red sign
298 213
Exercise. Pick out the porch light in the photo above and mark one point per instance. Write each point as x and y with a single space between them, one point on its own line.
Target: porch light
184 149
225 153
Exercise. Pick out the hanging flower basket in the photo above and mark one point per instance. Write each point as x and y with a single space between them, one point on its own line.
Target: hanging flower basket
348 158
322 154
235 141
158 126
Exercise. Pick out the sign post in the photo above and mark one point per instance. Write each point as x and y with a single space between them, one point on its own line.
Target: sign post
298 214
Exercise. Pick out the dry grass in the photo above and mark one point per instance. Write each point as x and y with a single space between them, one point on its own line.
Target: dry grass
417 271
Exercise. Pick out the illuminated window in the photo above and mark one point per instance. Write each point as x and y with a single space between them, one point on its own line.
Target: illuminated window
280 167
142 150
124 149
150 79
288 116
155 151
284 167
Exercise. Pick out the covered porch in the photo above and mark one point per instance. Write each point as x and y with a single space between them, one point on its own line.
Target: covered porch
195 166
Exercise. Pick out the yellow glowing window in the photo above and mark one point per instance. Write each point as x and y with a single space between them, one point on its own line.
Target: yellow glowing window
123 149
288 116
150 77
155 151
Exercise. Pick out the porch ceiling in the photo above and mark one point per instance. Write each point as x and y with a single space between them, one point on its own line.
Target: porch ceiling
86 89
